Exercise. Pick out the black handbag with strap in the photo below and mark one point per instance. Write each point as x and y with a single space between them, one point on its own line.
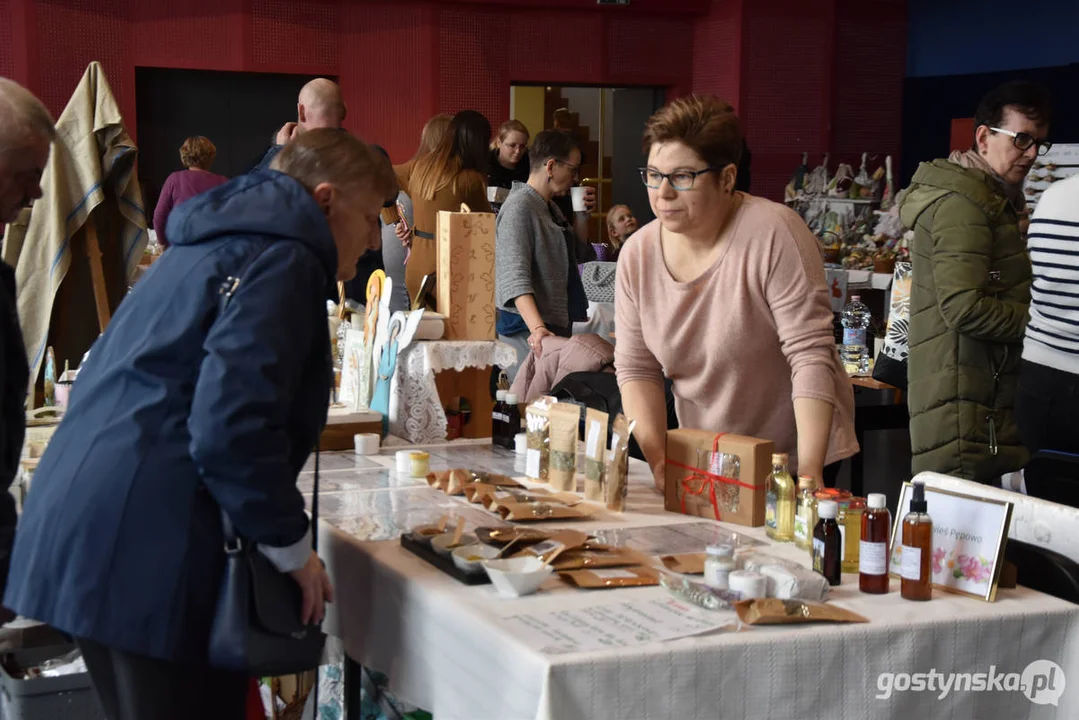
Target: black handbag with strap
257 627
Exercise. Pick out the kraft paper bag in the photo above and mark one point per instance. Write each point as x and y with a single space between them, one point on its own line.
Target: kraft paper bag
465 286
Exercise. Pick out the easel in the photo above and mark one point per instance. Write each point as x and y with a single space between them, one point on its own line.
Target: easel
97 275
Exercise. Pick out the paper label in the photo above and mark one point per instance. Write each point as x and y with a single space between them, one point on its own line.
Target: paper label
910 563
613 574
592 444
532 463
614 440
818 555
842 542
770 510
873 559
854 336
801 527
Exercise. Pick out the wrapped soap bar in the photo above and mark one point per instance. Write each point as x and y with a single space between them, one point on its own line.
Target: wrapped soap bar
788 580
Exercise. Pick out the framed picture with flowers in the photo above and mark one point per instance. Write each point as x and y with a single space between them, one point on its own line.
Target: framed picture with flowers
969 535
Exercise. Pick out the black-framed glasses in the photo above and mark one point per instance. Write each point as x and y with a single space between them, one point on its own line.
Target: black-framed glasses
679 179
1024 141
574 168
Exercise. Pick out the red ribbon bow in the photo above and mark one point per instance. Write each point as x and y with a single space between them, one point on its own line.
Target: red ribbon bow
705 480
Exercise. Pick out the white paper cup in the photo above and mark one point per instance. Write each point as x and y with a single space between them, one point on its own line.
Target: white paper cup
365 444
577 194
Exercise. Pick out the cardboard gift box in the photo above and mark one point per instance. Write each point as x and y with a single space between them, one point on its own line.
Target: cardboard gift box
465 286
717 475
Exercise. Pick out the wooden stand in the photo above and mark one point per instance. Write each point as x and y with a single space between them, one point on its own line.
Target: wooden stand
473 384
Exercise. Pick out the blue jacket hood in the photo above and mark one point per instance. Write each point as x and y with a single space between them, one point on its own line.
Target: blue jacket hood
267 203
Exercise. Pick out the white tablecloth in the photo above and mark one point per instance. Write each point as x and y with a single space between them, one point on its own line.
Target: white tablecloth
444 648
416 412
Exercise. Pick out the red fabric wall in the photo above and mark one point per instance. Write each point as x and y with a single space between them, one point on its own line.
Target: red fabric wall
398 62
805 77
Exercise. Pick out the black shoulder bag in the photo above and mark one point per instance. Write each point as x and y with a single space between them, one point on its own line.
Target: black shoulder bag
257 628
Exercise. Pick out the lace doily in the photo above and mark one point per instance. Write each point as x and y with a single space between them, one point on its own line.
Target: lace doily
416 412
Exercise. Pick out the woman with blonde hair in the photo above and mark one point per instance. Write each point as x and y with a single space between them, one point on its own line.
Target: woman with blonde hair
454 173
431 135
202 401
724 293
197 155
509 156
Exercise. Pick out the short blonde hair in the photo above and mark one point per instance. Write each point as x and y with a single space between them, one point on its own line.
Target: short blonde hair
336 157
198 151
21 115
506 128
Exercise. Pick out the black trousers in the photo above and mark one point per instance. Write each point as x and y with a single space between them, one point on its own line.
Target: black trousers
1045 408
133 687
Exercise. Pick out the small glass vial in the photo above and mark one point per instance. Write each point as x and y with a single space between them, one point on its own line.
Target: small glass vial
827 543
850 524
805 506
873 557
917 549
498 419
718 566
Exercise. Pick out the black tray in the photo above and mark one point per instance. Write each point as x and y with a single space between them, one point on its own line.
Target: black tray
423 551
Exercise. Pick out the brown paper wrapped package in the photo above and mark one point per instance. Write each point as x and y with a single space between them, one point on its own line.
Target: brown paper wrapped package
526 512
592 559
693 448
465 286
773 611
686 563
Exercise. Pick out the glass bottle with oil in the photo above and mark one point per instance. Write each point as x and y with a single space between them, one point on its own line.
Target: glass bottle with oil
779 501
805 513
917 549
850 524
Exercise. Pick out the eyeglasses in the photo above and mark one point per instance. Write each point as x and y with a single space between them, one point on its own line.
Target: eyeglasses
1024 141
574 168
679 179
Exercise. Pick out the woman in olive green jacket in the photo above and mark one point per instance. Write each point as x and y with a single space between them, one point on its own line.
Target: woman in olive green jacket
969 300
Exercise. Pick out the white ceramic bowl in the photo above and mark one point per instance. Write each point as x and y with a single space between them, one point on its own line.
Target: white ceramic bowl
469 558
514 577
443 544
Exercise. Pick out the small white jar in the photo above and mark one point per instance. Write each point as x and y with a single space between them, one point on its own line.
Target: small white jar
718 566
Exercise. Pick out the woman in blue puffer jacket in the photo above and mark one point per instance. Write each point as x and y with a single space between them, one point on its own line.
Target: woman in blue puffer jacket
189 406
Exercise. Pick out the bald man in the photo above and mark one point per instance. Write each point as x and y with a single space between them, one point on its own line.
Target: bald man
26 133
319 106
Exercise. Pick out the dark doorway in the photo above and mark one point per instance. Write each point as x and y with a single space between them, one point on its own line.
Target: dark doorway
238 111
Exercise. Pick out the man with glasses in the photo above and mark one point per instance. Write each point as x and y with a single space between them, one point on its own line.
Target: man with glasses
971 290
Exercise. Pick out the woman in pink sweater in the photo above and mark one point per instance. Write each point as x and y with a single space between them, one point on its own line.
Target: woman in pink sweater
724 293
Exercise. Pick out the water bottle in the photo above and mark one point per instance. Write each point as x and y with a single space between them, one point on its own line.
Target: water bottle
855 354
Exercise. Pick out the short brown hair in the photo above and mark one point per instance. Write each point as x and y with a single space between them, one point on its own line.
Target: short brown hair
704 123
335 156
198 151
551 145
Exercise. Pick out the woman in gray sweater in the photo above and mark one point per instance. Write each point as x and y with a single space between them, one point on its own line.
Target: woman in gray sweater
535 268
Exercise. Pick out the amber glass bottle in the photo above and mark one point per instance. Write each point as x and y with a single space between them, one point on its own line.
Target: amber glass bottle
873 558
917 549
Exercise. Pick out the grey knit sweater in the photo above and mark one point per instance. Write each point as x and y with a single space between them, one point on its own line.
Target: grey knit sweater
531 255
